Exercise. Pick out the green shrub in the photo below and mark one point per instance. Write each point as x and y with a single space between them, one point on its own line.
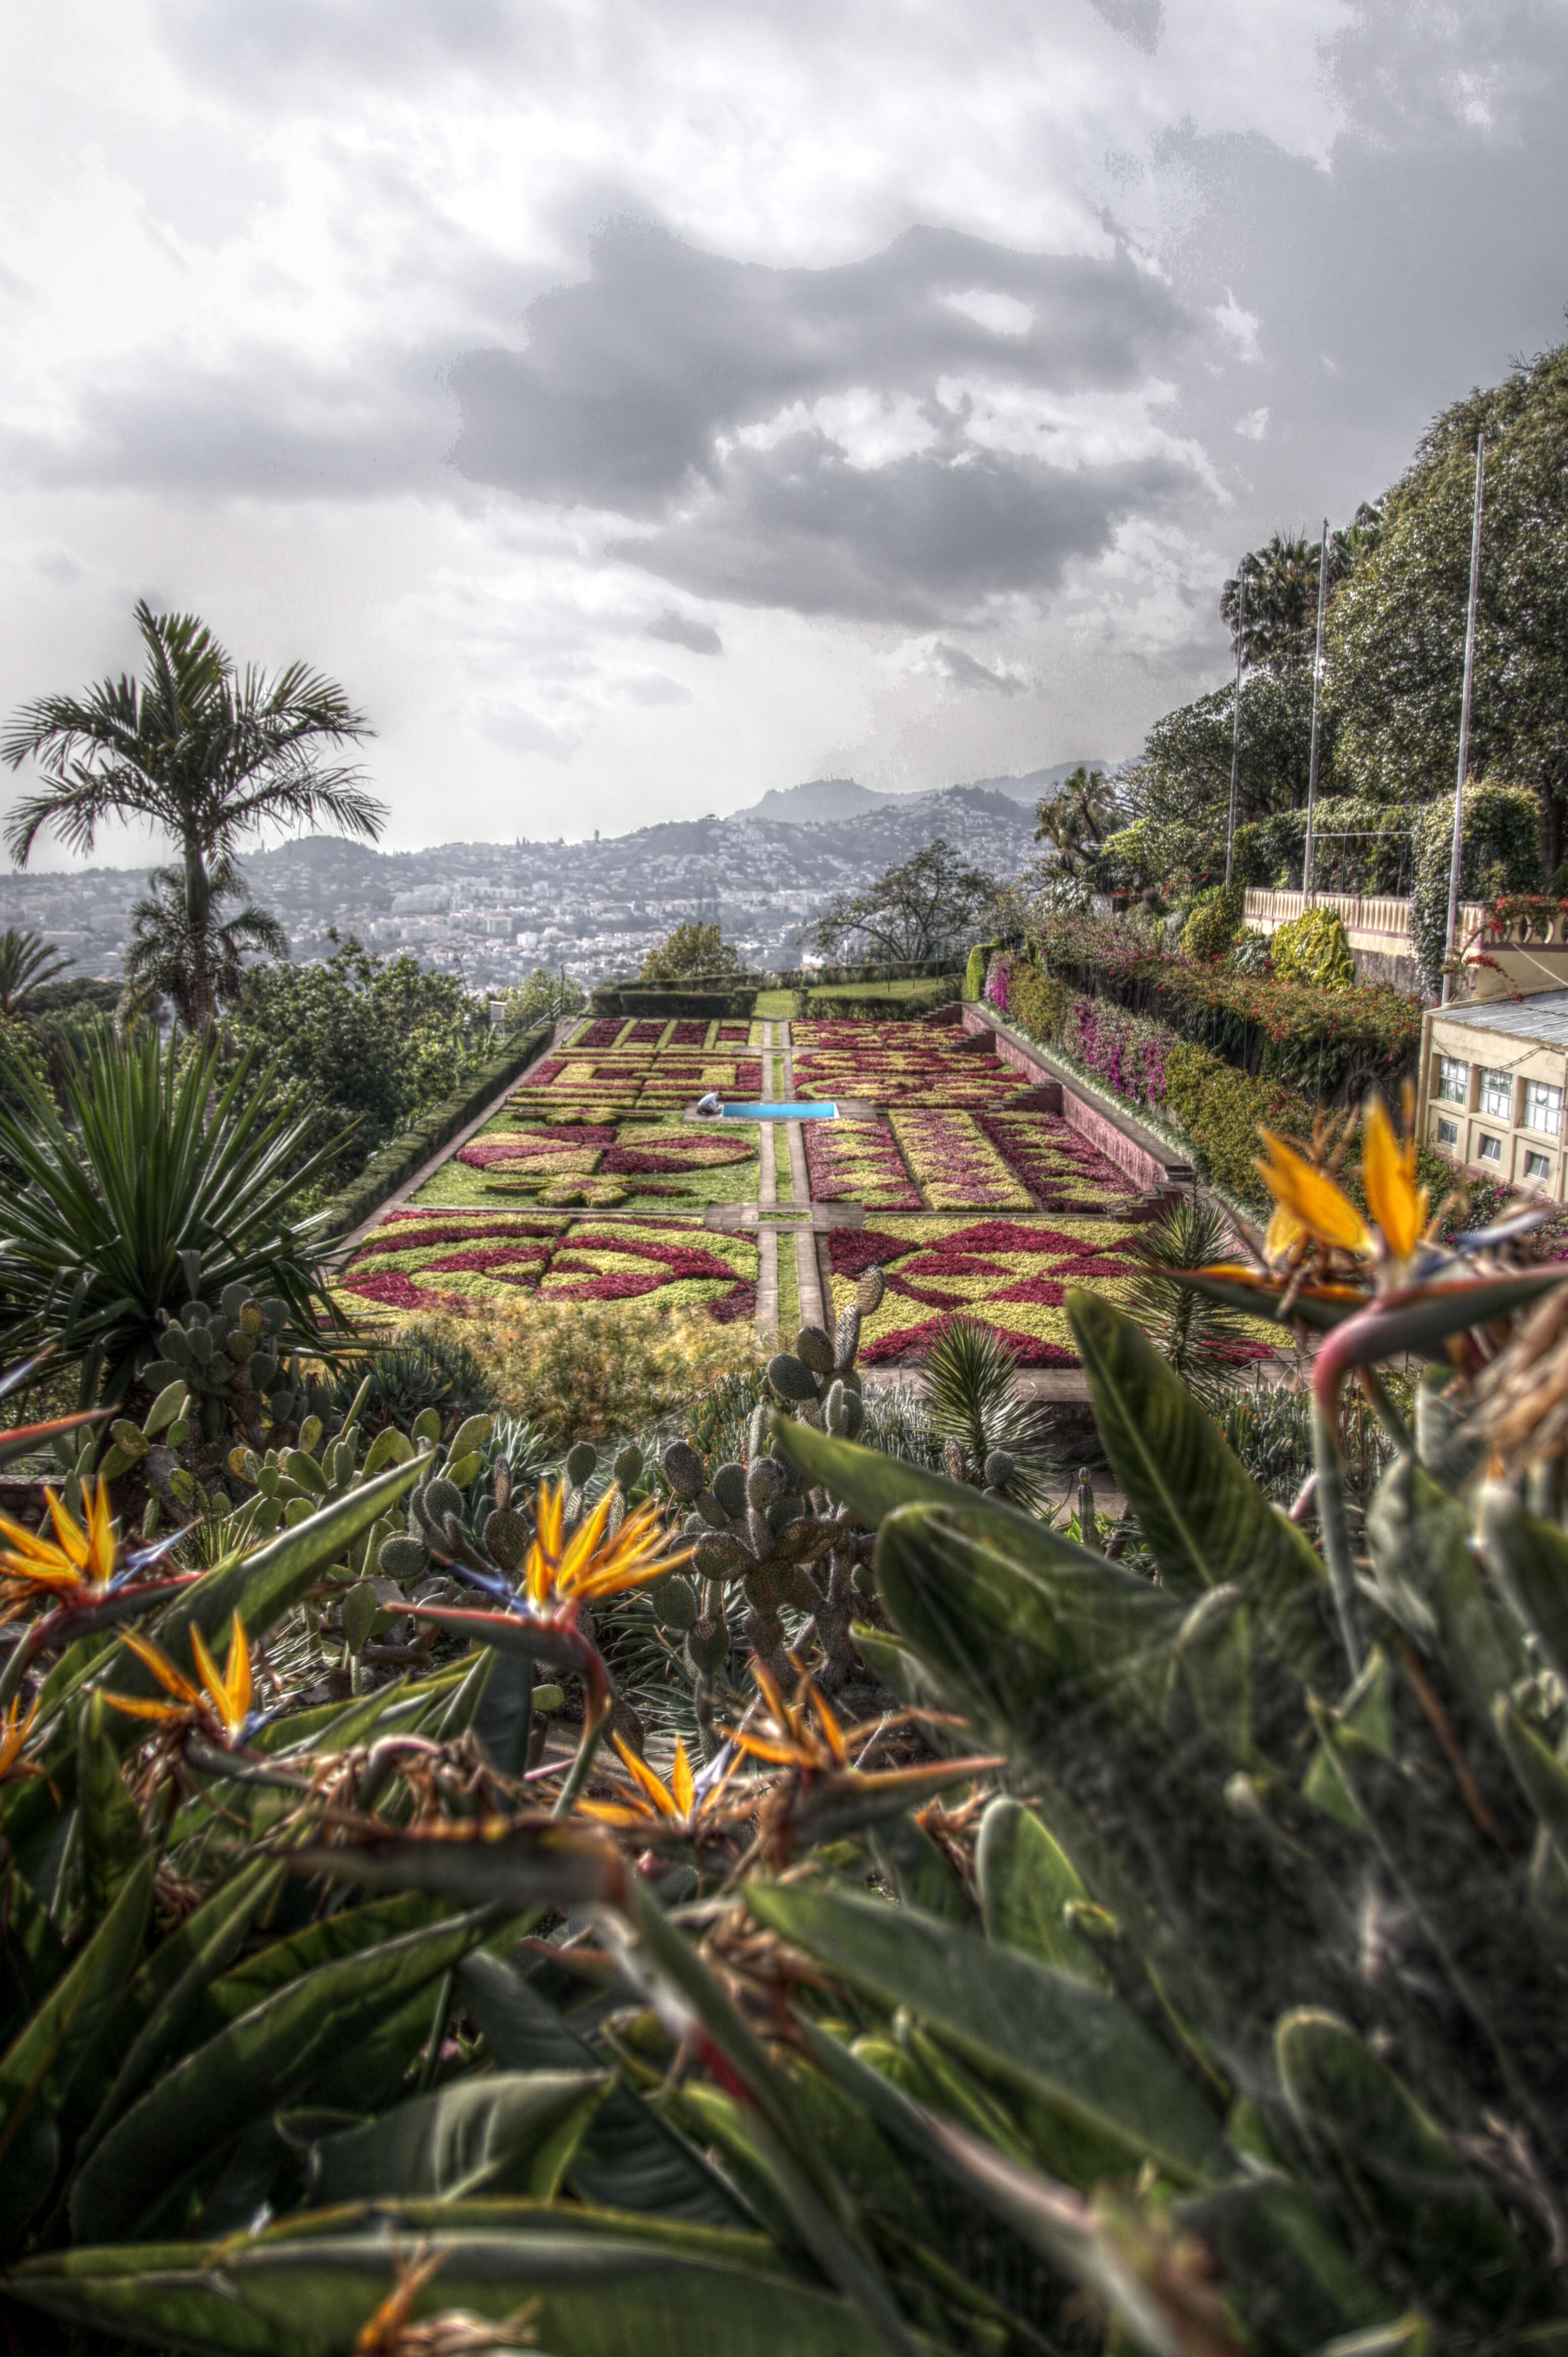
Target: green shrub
1214 923
974 971
1035 1003
1314 948
1221 1109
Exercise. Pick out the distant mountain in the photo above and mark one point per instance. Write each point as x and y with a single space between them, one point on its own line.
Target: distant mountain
821 803
828 801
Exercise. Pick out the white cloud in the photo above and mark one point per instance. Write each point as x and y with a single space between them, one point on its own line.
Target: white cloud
1238 327
1254 426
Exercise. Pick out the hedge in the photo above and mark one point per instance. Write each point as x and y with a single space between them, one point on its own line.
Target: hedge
403 1154
888 1002
1501 855
703 1002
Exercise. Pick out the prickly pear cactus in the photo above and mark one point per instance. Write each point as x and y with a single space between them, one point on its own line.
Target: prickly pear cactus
237 1377
818 1379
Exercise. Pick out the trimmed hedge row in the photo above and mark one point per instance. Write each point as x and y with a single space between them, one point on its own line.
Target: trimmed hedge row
399 1159
886 1001
702 1003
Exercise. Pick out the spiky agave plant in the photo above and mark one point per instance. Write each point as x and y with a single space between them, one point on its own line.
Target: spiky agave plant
156 1181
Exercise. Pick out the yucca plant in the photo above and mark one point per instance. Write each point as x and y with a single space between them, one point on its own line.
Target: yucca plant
161 1181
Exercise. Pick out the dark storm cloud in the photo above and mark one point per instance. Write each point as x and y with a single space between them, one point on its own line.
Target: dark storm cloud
634 385
680 631
1139 21
627 379
919 541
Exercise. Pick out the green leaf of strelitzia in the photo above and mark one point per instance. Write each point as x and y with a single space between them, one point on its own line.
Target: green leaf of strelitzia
1054 2037
1206 1520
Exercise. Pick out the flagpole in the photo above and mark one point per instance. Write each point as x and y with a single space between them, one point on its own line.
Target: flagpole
1236 723
1458 854
1317 681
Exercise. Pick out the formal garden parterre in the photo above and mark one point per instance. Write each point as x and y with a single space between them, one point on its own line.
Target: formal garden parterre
973 1196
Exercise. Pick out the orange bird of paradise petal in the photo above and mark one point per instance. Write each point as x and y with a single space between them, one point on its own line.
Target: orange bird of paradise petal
231 1690
1388 1172
1325 1211
647 1780
683 1783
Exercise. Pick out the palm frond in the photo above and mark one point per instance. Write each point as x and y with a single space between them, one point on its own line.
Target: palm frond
27 963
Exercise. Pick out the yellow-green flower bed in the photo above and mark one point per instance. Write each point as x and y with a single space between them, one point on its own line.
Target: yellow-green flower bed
442 1259
1014 1274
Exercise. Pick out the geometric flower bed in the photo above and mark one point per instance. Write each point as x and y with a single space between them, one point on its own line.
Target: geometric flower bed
857 1162
891 1064
435 1259
956 1164
974 1199
645 1164
1015 1273
1055 1162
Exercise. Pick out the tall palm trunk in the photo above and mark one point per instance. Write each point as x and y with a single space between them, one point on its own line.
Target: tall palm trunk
198 906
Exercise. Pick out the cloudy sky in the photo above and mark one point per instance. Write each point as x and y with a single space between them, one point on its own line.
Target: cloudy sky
640 403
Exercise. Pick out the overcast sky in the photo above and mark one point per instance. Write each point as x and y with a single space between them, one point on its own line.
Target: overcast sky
640 403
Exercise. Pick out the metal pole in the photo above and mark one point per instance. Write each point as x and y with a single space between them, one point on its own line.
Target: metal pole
1456 856
1236 723
1316 680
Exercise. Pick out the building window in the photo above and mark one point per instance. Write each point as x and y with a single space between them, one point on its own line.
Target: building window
1497 1095
1538 1166
1491 1149
1452 1079
1448 1133
1543 1108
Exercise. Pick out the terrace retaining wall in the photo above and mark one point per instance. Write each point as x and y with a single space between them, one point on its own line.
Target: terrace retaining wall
1134 1150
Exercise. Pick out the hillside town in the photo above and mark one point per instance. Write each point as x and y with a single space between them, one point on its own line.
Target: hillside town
493 912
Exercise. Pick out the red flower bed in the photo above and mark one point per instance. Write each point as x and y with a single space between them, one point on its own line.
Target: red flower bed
647 1033
602 1034
914 1341
689 1034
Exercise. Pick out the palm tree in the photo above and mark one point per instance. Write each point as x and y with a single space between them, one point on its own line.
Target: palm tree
211 754
162 957
27 963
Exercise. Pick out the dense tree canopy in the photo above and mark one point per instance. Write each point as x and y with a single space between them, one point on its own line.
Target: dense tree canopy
917 911
1396 631
371 1039
1282 589
1076 820
691 953
1184 775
